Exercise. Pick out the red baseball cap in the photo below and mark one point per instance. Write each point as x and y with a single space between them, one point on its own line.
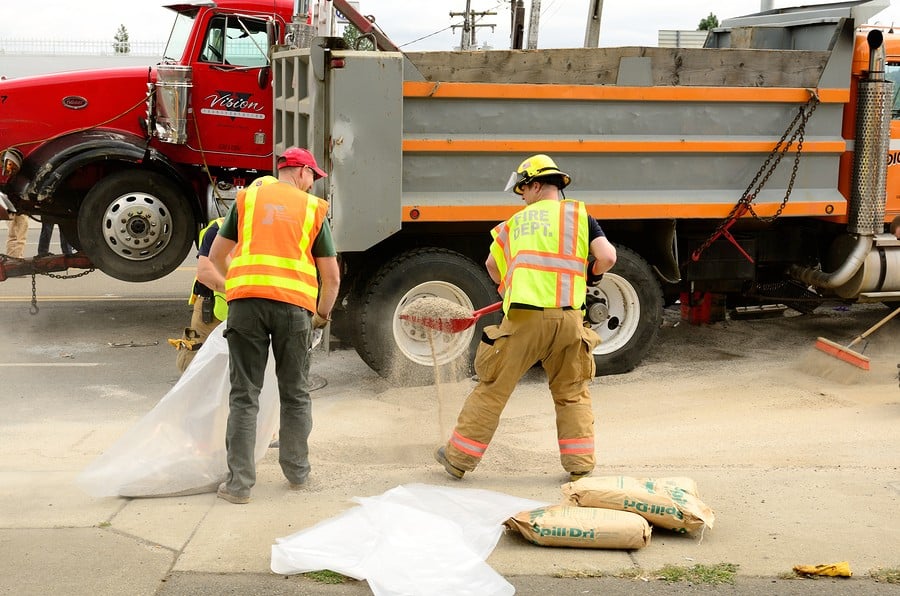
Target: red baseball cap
296 157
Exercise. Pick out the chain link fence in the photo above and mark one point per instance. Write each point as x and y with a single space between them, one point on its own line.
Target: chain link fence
57 47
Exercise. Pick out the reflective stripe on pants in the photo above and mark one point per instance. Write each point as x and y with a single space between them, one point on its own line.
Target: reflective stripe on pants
557 339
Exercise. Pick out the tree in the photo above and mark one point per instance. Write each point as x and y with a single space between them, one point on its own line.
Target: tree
121 46
355 40
710 22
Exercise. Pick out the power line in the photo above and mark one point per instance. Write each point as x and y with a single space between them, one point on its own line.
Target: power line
452 26
549 6
427 36
470 25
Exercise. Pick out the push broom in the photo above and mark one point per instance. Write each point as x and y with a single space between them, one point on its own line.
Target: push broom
844 352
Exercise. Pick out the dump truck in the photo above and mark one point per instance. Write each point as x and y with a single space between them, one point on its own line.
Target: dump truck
761 168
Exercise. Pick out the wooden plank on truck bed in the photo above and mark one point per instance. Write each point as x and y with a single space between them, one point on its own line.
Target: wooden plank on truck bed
600 66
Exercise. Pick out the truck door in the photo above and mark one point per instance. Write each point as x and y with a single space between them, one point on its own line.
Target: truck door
231 107
892 208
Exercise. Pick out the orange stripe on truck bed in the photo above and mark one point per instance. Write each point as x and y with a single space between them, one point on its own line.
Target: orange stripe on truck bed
613 92
577 146
495 213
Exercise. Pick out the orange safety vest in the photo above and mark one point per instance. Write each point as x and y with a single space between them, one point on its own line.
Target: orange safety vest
277 225
541 254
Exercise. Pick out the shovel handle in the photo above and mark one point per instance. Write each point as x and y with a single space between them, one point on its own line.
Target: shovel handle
488 309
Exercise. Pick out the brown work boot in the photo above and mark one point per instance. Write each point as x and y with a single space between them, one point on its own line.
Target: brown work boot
440 456
297 485
223 493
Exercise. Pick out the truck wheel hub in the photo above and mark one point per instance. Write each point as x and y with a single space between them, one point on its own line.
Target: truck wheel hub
137 226
613 311
413 340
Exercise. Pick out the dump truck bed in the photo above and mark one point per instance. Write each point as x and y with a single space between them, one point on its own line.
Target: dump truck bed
646 133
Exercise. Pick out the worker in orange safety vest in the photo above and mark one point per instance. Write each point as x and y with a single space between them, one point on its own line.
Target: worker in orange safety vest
281 249
539 259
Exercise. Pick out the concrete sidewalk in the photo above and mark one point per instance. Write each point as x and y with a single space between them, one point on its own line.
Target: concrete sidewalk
798 470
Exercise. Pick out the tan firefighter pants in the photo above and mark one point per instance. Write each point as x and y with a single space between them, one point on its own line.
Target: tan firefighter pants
559 341
183 358
15 241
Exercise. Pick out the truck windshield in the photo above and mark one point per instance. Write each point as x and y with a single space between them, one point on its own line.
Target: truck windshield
181 32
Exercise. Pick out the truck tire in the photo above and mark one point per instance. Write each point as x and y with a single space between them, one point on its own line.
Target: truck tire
625 309
400 351
136 226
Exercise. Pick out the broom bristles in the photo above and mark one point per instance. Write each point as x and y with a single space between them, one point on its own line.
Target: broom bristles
825 366
842 353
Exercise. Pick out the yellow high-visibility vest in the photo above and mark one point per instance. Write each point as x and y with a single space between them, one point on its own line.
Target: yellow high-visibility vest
541 253
220 305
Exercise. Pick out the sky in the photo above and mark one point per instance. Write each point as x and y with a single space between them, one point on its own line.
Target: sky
562 23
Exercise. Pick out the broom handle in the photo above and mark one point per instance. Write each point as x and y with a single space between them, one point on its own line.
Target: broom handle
874 328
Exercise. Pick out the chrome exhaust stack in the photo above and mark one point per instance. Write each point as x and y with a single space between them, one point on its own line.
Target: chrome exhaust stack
859 269
873 137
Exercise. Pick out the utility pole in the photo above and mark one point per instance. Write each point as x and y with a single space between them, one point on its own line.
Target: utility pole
592 31
517 26
534 24
468 42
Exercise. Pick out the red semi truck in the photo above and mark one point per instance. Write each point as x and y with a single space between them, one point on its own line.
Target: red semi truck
671 149
100 157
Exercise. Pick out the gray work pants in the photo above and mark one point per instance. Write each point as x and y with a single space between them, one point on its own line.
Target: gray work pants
252 323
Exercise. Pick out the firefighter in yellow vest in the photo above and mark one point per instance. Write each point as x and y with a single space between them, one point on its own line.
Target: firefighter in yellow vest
281 250
539 258
210 307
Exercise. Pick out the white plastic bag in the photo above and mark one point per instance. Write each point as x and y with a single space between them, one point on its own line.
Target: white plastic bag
414 539
179 446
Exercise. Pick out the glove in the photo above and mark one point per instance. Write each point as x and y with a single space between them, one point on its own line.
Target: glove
318 322
592 279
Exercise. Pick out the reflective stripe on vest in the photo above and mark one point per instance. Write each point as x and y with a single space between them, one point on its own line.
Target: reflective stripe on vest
541 254
273 255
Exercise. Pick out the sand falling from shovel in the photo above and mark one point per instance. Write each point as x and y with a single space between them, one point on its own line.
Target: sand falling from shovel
428 313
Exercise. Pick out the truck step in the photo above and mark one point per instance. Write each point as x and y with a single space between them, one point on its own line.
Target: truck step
879 297
762 311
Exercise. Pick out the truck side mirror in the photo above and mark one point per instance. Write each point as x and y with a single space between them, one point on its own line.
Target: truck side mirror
271 34
262 79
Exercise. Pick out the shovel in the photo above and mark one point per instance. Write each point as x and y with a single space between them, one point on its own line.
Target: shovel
452 324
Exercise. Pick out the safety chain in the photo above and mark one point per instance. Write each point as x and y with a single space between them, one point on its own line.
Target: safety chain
34 307
766 170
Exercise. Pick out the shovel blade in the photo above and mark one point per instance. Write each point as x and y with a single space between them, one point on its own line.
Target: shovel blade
444 325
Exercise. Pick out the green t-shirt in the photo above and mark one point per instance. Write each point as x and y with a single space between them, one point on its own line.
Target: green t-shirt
323 246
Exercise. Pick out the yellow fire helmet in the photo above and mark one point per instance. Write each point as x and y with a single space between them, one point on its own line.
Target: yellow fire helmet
536 166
